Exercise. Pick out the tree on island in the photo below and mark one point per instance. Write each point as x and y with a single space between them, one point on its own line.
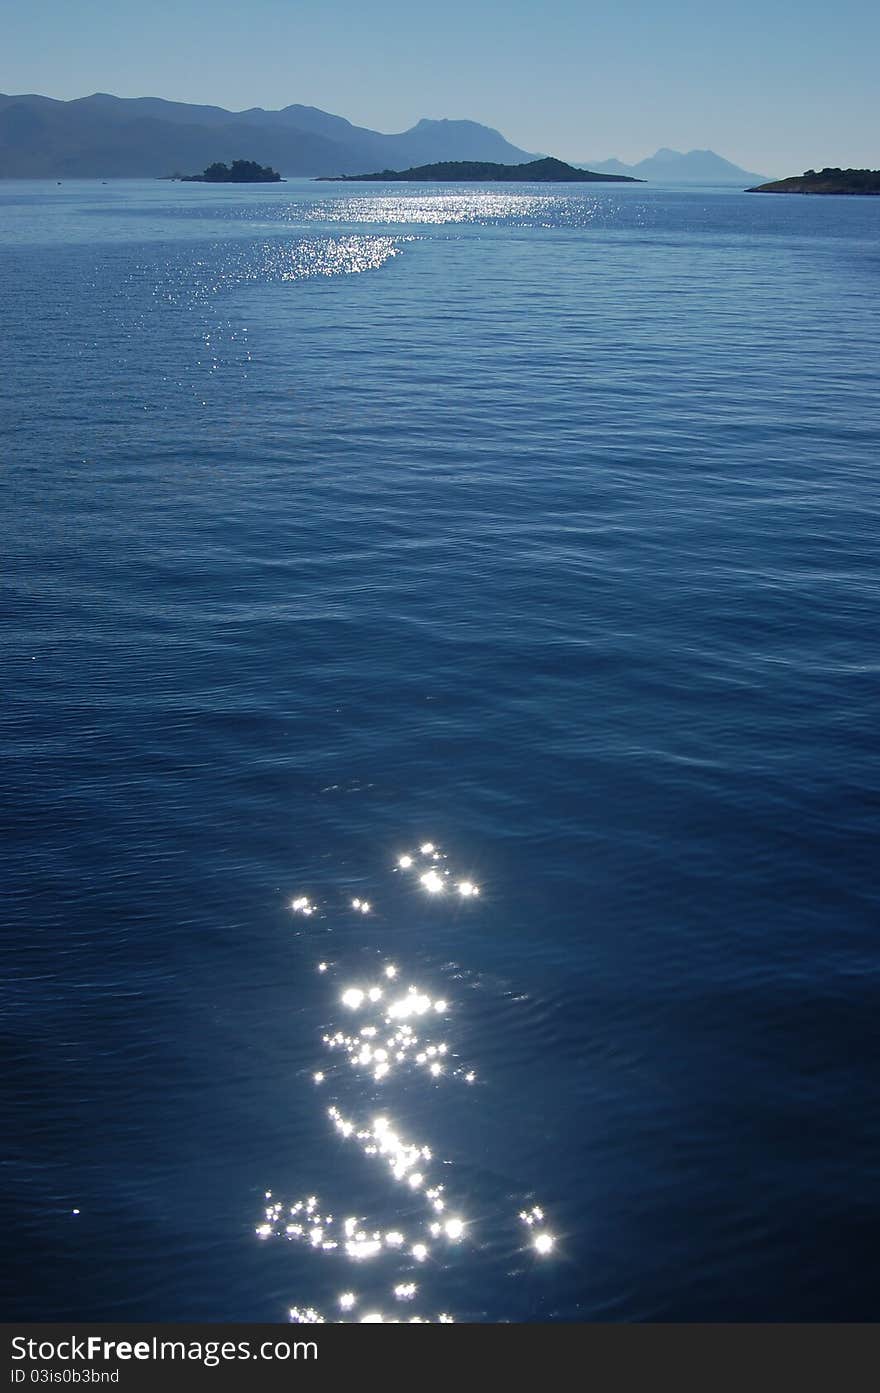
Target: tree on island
544 171
832 179
241 172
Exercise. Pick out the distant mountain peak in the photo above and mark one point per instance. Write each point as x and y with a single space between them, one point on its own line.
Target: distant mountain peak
431 122
694 167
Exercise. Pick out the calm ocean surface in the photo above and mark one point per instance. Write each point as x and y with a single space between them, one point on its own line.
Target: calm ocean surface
535 528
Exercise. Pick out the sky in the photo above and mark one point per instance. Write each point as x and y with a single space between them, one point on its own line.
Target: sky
777 86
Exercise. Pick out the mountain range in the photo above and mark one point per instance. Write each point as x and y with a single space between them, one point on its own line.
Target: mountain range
674 167
108 136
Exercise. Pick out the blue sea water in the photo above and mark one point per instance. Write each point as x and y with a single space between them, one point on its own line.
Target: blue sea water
538 529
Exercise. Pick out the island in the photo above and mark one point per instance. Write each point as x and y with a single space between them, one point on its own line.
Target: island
848 181
241 172
546 171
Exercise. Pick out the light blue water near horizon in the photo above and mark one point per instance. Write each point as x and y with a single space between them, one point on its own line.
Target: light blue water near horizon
539 526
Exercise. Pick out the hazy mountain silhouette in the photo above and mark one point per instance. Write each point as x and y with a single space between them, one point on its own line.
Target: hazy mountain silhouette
673 167
104 135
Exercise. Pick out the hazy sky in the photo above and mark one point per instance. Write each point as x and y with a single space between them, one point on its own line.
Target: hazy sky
775 85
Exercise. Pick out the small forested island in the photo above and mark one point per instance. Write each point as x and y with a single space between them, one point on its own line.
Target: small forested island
547 171
825 181
241 172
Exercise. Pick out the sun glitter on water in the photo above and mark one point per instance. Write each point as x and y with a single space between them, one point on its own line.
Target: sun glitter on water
389 1035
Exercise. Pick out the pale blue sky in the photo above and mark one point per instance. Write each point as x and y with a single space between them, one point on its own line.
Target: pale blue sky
776 86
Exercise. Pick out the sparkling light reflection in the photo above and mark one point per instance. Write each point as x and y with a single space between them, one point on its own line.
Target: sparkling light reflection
386 1033
433 209
542 1241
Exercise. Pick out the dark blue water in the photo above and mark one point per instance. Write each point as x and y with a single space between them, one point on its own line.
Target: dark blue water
542 528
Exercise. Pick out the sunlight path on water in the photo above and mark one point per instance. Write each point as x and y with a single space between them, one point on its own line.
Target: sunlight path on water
387 1033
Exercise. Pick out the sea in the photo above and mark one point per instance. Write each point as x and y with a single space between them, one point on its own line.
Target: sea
441 753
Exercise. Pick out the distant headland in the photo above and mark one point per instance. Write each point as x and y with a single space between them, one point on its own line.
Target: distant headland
849 181
240 172
546 171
